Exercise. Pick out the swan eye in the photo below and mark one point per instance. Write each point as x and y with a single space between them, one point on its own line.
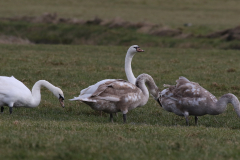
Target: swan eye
61 97
159 95
136 47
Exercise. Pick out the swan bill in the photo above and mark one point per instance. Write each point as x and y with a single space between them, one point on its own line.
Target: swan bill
139 49
61 100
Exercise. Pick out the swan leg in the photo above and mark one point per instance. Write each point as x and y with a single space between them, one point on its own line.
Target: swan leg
187 121
116 114
124 118
10 110
10 105
2 108
111 117
186 114
196 120
101 113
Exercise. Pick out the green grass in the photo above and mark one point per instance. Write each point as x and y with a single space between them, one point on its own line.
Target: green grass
78 132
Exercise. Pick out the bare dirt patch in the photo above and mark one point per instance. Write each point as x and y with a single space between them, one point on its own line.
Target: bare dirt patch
227 34
13 40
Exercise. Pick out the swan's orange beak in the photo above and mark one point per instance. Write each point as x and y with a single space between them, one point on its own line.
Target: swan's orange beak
61 102
140 50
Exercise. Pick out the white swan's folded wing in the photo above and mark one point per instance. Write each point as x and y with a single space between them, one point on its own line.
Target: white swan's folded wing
12 86
110 90
113 91
80 98
109 98
91 89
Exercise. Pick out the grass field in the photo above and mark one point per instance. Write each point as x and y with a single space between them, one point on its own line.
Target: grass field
78 132
214 14
51 132
205 16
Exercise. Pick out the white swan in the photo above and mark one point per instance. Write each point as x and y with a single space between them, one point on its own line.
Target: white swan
14 93
189 98
128 59
116 95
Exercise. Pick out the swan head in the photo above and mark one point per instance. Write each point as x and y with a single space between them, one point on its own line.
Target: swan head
134 49
59 94
156 93
159 98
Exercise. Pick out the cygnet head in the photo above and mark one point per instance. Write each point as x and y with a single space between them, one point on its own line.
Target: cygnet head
156 93
134 49
158 99
59 94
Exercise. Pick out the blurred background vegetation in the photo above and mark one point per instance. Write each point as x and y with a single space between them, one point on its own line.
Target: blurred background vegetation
174 24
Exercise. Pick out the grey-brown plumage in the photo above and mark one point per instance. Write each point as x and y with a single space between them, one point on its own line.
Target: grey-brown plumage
116 95
189 98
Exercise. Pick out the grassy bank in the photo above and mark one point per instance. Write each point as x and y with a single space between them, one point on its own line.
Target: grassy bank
90 34
215 14
51 132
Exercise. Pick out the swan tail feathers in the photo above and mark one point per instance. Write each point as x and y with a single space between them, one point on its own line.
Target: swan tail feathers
109 98
166 85
74 99
82 99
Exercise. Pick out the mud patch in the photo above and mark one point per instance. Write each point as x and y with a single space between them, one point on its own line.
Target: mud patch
227 34
13 40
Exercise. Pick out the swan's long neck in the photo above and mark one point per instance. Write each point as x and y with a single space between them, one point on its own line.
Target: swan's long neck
128 68
221 104
148 80
36 95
